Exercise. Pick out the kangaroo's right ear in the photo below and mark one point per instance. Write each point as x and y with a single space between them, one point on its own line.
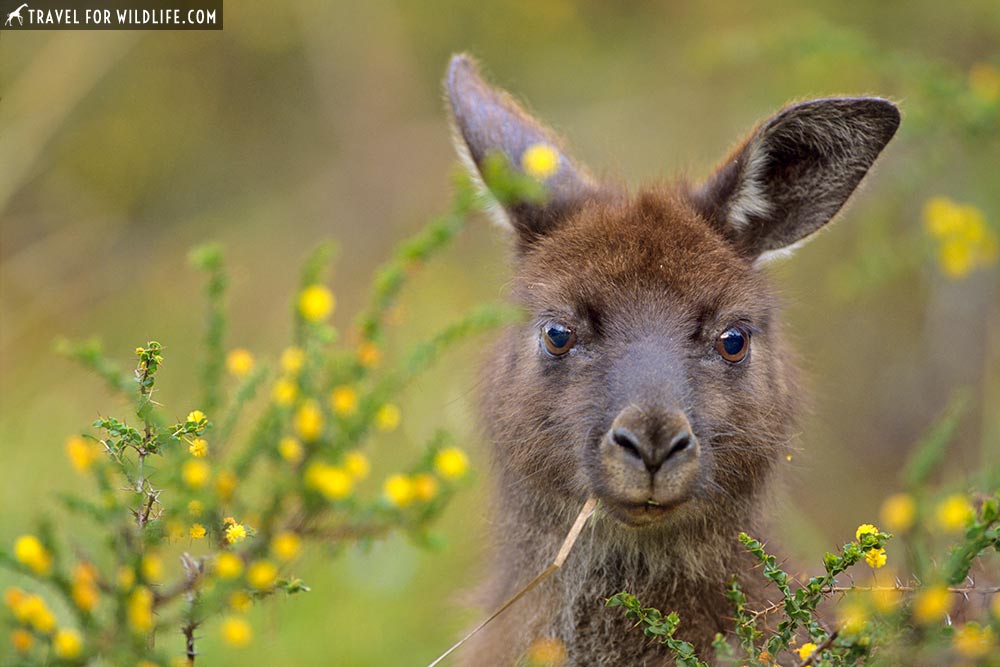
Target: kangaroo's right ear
488 120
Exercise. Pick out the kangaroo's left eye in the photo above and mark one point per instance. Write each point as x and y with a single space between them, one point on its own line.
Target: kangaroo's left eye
558 339
733 344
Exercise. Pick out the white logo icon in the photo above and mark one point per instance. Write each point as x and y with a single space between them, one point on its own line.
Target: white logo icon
16 14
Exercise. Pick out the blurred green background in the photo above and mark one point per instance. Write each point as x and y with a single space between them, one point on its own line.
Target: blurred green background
301 121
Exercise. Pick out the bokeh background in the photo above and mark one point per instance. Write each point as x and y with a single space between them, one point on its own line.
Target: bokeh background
309 120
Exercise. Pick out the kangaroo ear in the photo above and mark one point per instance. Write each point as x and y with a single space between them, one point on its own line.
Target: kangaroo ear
795 172
487 120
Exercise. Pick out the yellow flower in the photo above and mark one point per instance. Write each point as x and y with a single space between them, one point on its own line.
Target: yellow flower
262 575
932 604
451 463
899 512
984 82
236 533
126 577
239 362
333 482
140 610
82 453
84 590
290 449
198 448
546 651
875 558
954 513
387 418
292 359
865 529
308 421
28 550
806 650
369 355
67 644
540 161
398 490
236 631
196 473
197 531
974 641
22 640
33 610
286 545
965 241
853 616
344 400
196 416
196 508
356 464
425 486
240 601
225 484
228 565
13 597
316 303
885 600
285 392
151 568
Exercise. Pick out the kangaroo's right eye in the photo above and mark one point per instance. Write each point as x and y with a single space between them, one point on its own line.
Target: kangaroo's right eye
557 339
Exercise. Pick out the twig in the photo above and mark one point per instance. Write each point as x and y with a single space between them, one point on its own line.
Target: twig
819 649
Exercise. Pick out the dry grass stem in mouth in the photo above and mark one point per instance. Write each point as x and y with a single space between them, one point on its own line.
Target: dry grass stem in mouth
574 532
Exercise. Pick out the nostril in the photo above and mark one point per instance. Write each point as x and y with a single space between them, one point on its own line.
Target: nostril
680 442
627 440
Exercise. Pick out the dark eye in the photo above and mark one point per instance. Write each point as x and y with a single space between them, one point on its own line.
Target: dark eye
733 344
557 338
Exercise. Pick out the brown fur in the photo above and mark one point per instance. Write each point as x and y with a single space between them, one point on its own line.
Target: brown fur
647 283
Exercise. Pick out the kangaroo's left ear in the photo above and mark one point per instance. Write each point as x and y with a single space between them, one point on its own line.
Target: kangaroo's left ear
795 172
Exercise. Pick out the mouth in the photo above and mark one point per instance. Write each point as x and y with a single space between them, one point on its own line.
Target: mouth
643 514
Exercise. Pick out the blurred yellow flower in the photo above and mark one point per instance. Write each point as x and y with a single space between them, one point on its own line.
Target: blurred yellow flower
451 463
387 418
225 484
356 464
316 303
140 610
974 641
875 558
239 362
369 355
285 392
984 82
885 600
954 513
425 487
308 421
262 575
292 359
195 508
197 531
932 604
22 640
806 650
865 529
125 577
198 448
84 589
965 241
236 631
67 644
240 601
540 161
899 512
83 453
151 568
175 530
32 609
398 490
28 551
13 597
290 449
546 652
286 545
333 482
344 400
235 533
228 565
196 473
853 615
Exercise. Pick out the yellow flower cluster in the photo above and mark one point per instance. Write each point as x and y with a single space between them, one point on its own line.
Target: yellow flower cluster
236 631
31 610
333 482
344 401
140 610
875 558
198 448
284 392
262 575
228 565
540 161
954 513
356 464
965 241
932 604
196 473
898 512
451 463
84 589
29 551
239 362
197 531
308 421
290 449
235 532
387 418
151 568
292 359
975 641
369 355
82 453
316 303
806 650
286 546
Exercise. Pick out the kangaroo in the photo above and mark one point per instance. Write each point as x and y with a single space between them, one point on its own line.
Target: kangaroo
651 372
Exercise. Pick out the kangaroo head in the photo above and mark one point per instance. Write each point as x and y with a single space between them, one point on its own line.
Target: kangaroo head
651 371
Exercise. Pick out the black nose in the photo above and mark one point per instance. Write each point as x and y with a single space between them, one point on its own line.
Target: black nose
651 439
